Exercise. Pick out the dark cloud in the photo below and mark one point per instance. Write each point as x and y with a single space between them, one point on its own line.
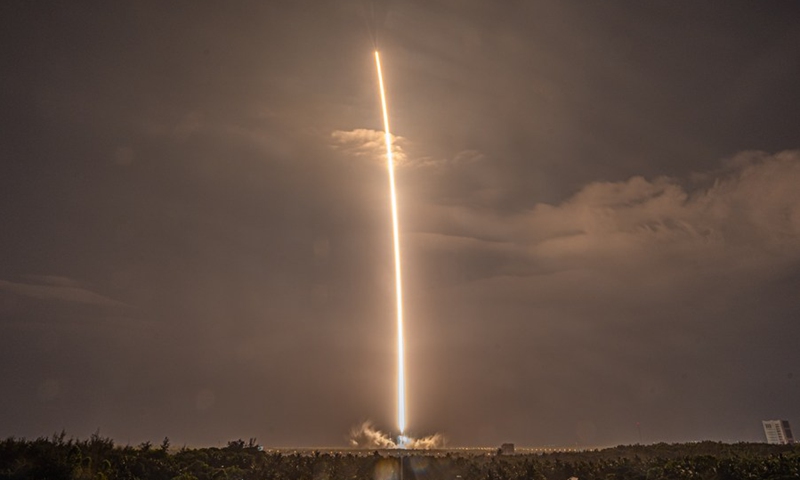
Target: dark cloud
598 204
58 289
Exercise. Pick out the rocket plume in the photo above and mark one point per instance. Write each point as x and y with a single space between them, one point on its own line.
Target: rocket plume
401 376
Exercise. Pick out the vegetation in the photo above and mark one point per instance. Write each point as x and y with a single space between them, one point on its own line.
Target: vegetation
98 458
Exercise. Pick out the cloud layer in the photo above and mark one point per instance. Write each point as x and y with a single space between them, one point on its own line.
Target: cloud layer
55 288
745 213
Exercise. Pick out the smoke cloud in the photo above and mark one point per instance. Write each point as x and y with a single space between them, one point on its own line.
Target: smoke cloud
368 436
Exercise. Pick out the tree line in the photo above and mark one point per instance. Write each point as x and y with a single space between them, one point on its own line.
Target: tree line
98 458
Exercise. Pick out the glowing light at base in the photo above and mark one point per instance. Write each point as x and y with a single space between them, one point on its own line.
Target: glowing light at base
401 375
403 441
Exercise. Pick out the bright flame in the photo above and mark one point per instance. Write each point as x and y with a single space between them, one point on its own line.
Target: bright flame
401 375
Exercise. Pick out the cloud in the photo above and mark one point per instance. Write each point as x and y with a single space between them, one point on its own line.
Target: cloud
464 157
624 252
366 143
54 280
363 142
62 289
752 208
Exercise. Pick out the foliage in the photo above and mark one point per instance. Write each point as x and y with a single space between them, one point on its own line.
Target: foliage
58 458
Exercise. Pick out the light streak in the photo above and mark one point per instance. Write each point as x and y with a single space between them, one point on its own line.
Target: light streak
401 375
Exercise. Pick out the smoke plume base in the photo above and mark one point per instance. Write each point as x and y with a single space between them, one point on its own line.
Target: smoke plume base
367 435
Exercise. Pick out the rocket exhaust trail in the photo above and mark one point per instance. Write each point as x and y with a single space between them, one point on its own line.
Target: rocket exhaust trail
401 376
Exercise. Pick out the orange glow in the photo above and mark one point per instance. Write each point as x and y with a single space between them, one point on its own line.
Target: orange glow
401 375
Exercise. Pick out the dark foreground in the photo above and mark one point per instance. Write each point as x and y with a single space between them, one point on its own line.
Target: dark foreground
98 458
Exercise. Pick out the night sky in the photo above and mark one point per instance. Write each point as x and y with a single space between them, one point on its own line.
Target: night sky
599 207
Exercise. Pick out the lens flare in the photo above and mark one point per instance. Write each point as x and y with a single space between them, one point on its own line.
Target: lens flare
401 375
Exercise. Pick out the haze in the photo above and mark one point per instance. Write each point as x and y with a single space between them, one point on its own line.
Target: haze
599 207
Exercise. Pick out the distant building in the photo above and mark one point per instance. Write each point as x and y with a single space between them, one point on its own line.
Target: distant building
778 432
506 449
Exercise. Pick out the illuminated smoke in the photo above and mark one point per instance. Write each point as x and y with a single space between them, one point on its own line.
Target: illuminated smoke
367 436
426 443
401 376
